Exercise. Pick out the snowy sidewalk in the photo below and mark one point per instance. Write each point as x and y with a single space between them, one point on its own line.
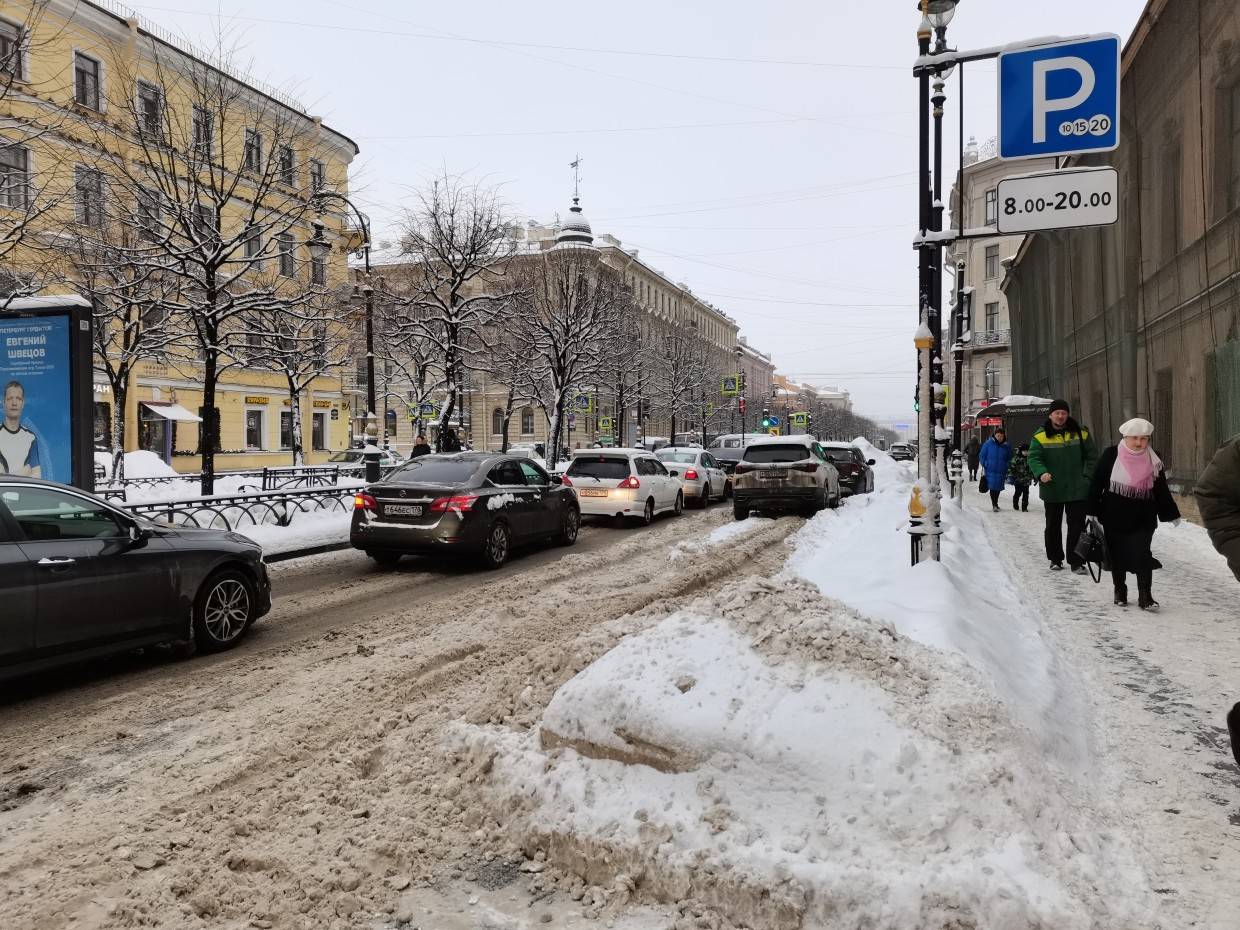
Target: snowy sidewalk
1158 689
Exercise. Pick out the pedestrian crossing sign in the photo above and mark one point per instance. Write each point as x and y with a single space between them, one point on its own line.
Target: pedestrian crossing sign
583 403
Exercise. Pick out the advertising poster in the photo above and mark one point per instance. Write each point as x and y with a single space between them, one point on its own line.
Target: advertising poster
36 438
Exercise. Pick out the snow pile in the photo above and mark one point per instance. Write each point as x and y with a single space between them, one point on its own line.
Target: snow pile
140 464
788 763
887 471
720 536
500 501
966 604
307 531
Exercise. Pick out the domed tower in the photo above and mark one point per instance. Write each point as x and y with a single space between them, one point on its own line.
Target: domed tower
576 232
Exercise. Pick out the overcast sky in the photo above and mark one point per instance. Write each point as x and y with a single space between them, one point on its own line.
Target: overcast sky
763 154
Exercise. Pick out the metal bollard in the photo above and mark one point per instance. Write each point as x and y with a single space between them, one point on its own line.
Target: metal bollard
372 466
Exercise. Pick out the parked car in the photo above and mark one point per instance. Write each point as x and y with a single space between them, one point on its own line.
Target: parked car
784 473
623 483
701 478
476 502
856 471
387 458
82 578
902 452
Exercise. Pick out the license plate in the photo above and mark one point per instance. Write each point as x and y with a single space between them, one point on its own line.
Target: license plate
772 473
592 492
403 510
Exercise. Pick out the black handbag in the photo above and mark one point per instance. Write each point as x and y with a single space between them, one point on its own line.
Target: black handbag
983 486
1091 548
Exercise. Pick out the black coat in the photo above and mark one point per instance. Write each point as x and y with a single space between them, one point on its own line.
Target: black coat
1121 514
1218 499
420 449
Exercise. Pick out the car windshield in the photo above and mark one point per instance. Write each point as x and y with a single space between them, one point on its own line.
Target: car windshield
430 469
687 457
764 455
607 467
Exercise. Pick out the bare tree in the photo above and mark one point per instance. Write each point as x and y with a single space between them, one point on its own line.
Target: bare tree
679 376
574 303
301 345
212 186
457 240
407 351
625 358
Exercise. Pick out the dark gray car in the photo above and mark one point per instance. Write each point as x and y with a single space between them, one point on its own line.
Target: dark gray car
80 577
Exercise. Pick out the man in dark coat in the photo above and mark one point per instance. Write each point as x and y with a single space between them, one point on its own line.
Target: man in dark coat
971 450
1218 499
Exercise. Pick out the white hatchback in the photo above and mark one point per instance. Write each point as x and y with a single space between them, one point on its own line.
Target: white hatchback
700 475
623 483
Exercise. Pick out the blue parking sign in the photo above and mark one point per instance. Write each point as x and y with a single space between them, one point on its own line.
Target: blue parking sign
1060 99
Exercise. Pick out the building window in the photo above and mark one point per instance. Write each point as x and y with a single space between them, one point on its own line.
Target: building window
317 177
527 421
990 381
1170 218
88 184
1164 413
286 429
992 262
288 166
992 207
362 371
1231 144
254 429
318 430
253 242
992 317
497 422
203 132
285 248
11 51
86 74
149 215
150 111
14 176
253 150
204 222
318 270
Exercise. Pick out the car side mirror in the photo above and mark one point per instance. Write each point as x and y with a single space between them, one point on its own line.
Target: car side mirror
869 461
673 473
557 479
138 535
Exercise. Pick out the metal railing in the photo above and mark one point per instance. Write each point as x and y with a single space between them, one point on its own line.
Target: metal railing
991 337
277 478
240 510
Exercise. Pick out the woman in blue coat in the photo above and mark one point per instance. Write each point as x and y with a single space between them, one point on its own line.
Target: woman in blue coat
995 456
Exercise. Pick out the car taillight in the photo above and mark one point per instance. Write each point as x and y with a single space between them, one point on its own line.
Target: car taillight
691 475
810 467
630 482
364 502
741 468
565 482
462 502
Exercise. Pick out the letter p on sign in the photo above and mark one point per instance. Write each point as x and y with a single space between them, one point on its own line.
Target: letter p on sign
1060 99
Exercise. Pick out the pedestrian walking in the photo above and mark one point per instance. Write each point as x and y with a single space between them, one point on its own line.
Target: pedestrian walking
971 450
451 443
1062 456
1129 495
1218 499
994 457
1020 477
420 447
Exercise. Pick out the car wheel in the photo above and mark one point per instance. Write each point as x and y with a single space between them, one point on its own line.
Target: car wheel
382 558
679 507
705 501
496 549
739 512
570 526
647 516
223 610
727 491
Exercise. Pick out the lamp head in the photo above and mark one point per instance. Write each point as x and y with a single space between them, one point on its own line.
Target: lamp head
939 12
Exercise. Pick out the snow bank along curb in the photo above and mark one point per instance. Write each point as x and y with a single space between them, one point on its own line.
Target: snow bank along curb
788 762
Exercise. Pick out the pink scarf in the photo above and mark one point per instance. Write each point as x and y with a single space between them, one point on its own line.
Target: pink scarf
1134 472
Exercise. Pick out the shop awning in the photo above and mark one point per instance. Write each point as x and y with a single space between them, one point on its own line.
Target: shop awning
172 412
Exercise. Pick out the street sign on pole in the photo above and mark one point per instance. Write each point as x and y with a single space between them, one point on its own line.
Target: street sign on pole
1058 200
1060 99
730 386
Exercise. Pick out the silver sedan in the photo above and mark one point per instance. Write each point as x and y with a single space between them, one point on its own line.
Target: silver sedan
701 476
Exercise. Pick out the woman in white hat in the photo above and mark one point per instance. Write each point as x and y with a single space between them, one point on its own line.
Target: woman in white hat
1129 494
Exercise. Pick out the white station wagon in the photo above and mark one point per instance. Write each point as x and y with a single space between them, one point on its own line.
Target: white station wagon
623 483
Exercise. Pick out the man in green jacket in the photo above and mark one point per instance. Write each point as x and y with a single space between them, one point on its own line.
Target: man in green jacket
1218 499
1062 455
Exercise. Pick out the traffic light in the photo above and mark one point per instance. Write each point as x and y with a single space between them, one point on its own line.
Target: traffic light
740 403
766 418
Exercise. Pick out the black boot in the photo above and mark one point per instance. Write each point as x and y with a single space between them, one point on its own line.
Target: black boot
1233 729
1145 600
1121 595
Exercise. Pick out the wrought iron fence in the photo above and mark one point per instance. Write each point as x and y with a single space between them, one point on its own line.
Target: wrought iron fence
230 512
279 478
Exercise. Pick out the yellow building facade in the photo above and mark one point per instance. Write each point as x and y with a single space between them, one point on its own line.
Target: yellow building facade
99 107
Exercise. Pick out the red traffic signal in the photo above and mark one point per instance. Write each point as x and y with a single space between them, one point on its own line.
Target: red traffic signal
741 404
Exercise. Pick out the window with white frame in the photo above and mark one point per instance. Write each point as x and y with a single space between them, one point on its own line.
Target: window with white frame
149 215
497 421
253 242
992 316
318 178
284 246
288 165
12 51
202 128
286 429
992 262
527 421
14 175
87 77
992 207
88 187
990 380
150 114
204 221
254 432
253 150
318 430
318 270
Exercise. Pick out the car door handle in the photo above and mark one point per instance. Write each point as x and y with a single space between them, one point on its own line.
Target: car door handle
56 562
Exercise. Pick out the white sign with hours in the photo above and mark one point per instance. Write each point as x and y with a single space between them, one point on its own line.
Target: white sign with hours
1058 200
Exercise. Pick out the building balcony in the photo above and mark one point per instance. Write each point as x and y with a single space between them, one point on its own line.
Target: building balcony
992 339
